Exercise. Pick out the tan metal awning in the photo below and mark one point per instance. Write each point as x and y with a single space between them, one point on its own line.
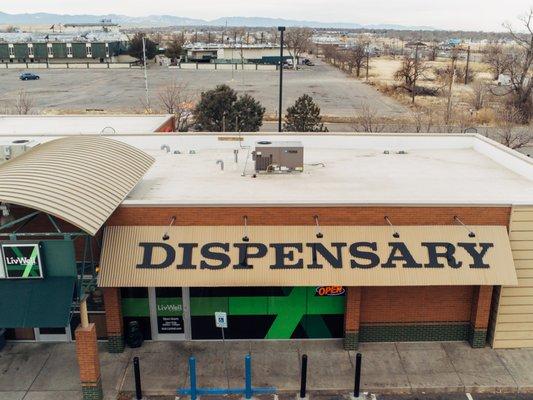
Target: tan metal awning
294 256
80 179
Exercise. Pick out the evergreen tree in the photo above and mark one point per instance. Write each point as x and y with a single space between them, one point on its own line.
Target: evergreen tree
220 109
304 116
248 114
135 48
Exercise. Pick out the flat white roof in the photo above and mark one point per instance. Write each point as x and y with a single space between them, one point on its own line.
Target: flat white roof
64 125
340 169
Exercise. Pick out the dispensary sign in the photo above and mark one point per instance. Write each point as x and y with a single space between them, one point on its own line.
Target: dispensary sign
294 256
21 260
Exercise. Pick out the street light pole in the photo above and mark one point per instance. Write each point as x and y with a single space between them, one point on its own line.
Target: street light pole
281 30
146 76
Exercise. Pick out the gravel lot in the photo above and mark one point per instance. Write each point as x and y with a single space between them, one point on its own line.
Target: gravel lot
122 90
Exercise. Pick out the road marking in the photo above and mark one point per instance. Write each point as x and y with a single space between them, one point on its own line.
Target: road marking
469 396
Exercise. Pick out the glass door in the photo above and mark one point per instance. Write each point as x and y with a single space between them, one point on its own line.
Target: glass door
169 313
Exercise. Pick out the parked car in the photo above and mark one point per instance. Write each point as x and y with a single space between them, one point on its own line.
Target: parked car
308 62
28 76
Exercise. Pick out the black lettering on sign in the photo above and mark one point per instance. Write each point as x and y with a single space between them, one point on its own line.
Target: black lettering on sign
357 253
447 252
318 248
404 255
477 256
187 255
208 253
148 250
245 255
283 254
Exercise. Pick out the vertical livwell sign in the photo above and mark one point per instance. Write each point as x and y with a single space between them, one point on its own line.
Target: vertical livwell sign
21 261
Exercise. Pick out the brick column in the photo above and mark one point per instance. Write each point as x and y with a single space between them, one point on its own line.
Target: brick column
89 362
479 317
114 322
352 313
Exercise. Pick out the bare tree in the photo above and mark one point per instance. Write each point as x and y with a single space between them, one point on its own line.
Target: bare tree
24 103
508 133
298 41
521 69
423 119
412 69
356 57
478 95
497 59
367 120
175 99
174 47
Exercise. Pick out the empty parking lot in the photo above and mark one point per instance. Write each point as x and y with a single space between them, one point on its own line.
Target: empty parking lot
75 90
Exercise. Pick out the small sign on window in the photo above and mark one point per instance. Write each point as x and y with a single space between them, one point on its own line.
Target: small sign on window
221 319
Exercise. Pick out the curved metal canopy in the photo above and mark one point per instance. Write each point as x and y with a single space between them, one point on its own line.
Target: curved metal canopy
80 179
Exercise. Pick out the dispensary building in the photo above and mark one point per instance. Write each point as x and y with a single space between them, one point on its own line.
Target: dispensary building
367 238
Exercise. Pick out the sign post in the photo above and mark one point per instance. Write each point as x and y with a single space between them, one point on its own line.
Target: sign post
221 321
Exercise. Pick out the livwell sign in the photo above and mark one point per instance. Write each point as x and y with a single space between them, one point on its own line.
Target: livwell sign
20 260
293 256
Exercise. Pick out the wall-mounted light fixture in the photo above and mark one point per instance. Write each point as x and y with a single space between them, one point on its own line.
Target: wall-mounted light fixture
245 237
166 235
319 234
395 233
471 234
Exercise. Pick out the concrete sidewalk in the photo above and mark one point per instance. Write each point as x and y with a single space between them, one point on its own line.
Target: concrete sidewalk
49 371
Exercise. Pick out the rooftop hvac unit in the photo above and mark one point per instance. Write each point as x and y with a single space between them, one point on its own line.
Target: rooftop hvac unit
10 150
278 156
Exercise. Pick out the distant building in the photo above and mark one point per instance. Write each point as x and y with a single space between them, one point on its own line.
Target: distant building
263 54
74 42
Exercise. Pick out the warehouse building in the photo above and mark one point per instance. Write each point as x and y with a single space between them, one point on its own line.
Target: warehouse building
79 43
368 238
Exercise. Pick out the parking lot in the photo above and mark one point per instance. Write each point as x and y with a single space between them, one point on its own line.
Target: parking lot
75 90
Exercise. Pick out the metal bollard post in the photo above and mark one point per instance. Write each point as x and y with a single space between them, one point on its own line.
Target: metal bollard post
137 373
248 376
192 373
303 380
357 385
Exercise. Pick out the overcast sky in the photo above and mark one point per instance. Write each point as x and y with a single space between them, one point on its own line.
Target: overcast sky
445 14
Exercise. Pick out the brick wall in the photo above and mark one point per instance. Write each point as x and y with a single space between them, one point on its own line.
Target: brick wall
414 304
480 315
114 321
88 362
352 317
187 216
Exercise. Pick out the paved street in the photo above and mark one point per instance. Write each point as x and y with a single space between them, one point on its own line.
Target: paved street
390 370
122 90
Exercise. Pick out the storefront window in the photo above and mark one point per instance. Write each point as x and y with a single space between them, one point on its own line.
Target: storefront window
135 307
268 312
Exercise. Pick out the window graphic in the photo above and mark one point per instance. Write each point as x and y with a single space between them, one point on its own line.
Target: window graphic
22 261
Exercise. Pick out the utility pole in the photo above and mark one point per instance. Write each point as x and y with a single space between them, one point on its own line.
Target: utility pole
146 77
413 90
281 30
467 65
367 62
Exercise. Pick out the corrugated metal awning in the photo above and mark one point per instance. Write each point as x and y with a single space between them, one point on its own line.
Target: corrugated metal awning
198 256
81 179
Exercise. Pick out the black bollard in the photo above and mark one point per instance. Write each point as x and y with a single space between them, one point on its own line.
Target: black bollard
303 380
137 373
357 385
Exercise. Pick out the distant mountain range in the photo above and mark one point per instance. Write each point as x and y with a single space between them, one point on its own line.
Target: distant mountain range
170 20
